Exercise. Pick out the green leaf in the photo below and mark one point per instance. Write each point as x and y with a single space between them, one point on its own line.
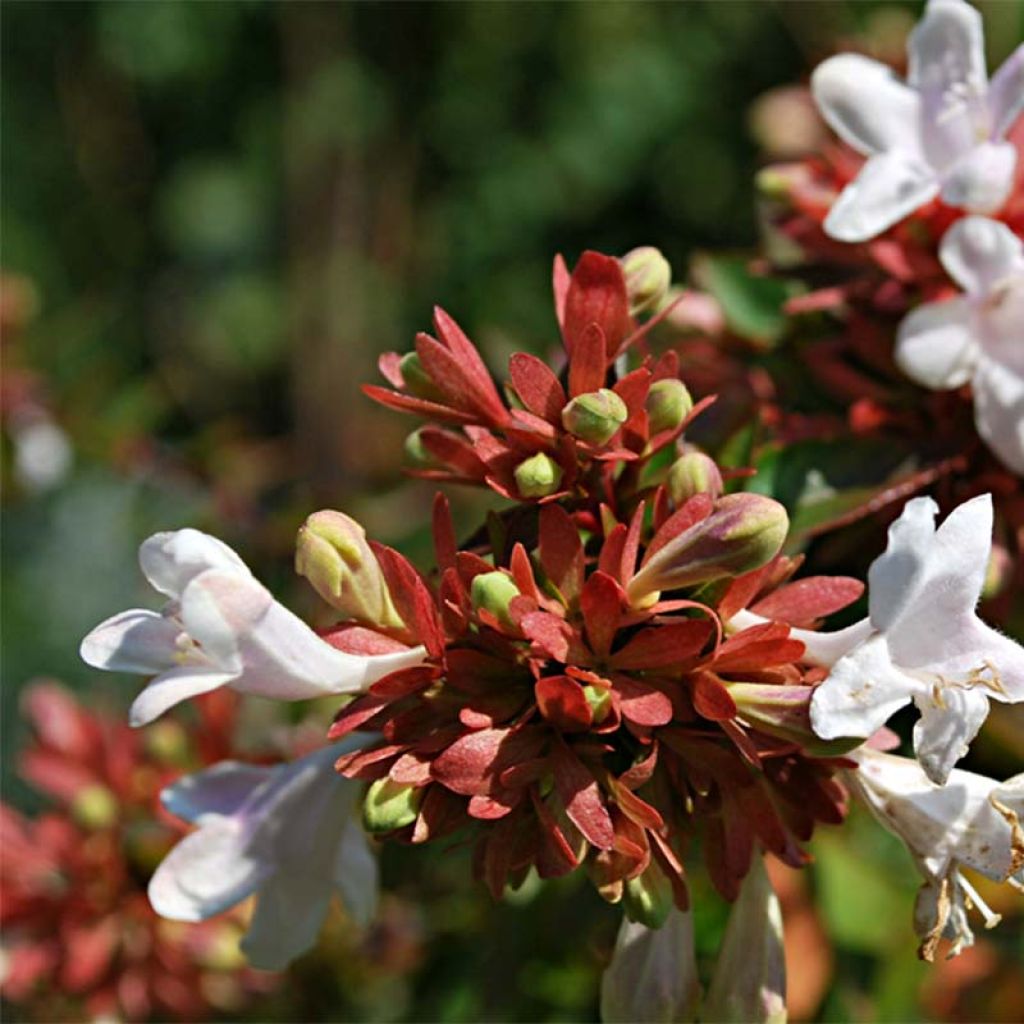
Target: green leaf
752 304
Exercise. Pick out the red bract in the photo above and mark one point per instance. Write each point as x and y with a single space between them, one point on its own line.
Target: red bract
473 437
79 933
564 726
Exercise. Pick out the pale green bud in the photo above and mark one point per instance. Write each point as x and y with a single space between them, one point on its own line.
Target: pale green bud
693 473
493 591
390 805
596 416
332 553
998 573
417 382
538 476
648 277
95 807
668 404
743 532
600 702
415 452
648 898
167 741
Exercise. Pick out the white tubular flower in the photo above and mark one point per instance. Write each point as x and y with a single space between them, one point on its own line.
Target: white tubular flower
652 978
942 132
978 336
222 628
971 821
289 833
925 643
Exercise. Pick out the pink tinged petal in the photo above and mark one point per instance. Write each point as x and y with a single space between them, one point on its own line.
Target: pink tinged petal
222 789
947 67
981 180
949 720
133 641
171 560
290 909
999 408
935 344
861 693
1006 93
866 105
206 873
896 576
652 977
172 688
979 253
278 655
889 187
749 983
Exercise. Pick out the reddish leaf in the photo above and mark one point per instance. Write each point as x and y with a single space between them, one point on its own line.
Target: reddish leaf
636 809
642 771
404 682
562 702
588 362
356 714
413 601
811 598
756 648
610 559
58 720
417 406
555 856
673 868
642 704
632 389
631 548
596 295
663 646
453 451
390 368
445 544
711 699
697 509
742 590
362 641
455 380
561 551
548 632
469 358
55 773
540 390
369 765
560 280
89 948
441 812
488 808
581 796
601 604
473 763
522 573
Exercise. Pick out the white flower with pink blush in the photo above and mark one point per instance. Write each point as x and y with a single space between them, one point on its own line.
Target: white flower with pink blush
977 337
940 133
222 627
287 833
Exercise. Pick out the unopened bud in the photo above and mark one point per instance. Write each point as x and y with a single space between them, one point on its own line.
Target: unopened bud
492 591
538 476
743 532
648 276
416 453
332 553
166 741
417 382
693 473
596 416
998 574
390 805
668 404
95 807
600 702
648 898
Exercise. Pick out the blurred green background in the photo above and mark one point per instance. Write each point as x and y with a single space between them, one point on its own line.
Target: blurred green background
217 215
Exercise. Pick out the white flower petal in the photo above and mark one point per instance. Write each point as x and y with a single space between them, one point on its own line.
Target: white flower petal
279 655
826 649
172 688
206 873
356 874
652 978
749 983
861 693
866 105
999 408
172 559
889 187
935 344
133 641
222 789
1006 93
979 253
982 178
945 730
946 53
290 909
896 576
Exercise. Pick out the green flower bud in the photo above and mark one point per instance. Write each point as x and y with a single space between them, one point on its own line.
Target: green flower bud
648 277
743 532
647 899
600 702
416 454
538 476
693 473
998 574
332 553
167 741
95 807
493 591
390 805
668 404
417 382
596 416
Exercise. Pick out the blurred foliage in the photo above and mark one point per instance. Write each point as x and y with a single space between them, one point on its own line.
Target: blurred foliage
222 212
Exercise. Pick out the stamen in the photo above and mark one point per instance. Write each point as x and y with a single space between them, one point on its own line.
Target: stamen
973 899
